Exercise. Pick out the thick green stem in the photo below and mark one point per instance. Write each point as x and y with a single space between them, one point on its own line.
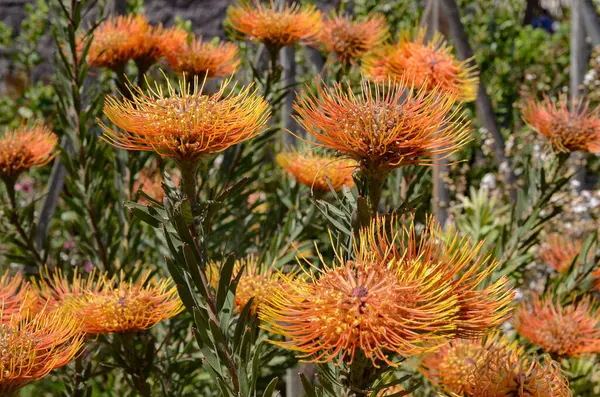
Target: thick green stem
360 377
374 183
189 180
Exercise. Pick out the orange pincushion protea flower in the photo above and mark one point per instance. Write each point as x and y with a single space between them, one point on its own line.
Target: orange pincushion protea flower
385 126
571 331
276 26
383 304
429 65
559 252
314 170
123 38
104 305
200 58
17 299
32 347
507 373
256 282
349 40
25 148
567 130
185 125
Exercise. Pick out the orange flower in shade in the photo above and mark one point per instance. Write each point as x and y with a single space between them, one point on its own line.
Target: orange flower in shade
185 125
104 305
256 282
32 347
559 252
350 39
452 367
314 170
123 38
17 299
393 391
572 130
25 148
275 26
571 331
385 126
199 58
507 373
380 305
430 65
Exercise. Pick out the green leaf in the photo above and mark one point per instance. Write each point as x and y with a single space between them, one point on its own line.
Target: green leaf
270 389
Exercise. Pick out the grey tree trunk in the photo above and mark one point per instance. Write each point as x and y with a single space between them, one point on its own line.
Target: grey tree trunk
485 109
591 20
288 62
579 59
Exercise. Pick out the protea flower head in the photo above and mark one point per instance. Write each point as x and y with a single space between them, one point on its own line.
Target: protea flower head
106 305
350 39
184 124
120 39
427 64
314 170
31 347
275 25
17 299
24 148
568 130
452 367
380 305
559 252
570 331
385 126
195 57
508 373
257 282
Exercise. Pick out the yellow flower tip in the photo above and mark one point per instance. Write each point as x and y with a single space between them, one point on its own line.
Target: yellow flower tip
430 65
559 252
350 39
385 126
274 25
507 372
24 148
570 331
106 305
31 347
568 130
402 295
199 58
184 124
314 170
120 39
257 282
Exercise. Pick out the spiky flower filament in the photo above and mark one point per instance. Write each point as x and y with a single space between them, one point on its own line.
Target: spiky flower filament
32 347
568 130
452 367
120 39
24 148
276 26
460 270
428 64
195 57
257 282
385 126
509 373
184 124
107 305
570 331
17 299
350 39
559 252
315 170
